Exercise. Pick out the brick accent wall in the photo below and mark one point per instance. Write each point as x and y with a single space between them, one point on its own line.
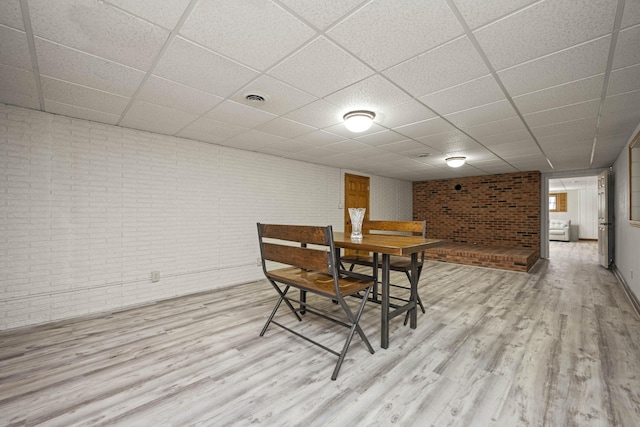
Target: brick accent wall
499 210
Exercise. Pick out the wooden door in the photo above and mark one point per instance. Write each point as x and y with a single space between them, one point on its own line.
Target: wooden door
356 195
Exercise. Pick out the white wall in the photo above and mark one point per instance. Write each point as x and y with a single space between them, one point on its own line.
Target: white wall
588 207
87 211
582 210
627 246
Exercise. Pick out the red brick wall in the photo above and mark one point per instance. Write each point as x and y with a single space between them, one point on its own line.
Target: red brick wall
499 210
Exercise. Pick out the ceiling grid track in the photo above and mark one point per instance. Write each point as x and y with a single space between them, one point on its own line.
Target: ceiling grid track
159 56
26 17
612 50
494 74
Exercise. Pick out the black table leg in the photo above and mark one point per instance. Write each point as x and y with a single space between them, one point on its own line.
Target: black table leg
384 327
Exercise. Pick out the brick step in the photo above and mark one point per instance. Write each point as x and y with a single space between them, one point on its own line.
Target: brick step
513 259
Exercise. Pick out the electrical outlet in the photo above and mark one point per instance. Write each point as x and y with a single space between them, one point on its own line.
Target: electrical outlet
155 276
632 273
258 261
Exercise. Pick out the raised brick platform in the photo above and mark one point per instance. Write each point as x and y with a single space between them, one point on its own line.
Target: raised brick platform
513 259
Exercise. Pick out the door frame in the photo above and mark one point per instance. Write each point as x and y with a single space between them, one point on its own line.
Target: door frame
544 202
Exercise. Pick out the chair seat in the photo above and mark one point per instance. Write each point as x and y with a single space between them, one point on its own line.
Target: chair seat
316 282
402 263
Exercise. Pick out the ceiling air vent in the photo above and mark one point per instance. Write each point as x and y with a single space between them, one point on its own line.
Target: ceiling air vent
255 98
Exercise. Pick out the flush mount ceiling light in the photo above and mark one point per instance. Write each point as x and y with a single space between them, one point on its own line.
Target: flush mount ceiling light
359 121
455 162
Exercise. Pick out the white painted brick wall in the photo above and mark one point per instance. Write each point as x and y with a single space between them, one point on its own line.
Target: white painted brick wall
88 211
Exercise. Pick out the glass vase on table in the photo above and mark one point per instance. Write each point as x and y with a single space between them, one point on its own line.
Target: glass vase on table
357 216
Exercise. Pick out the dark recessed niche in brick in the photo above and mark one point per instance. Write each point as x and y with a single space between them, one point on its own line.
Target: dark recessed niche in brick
458 187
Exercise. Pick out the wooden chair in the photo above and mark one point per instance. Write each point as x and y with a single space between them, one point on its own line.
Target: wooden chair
312 266
397 263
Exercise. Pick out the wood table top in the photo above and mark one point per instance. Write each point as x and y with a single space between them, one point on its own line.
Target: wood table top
384 243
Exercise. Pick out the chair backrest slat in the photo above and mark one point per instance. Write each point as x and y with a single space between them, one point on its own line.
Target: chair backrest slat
296 233
415 227
305 258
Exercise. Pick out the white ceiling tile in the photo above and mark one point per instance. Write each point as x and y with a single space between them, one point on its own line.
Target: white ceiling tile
262 32
321 68
157 127
631 13
348 146
285 146
485 113
404 114
198 135
142 113
467 95
477 13
549 54
558 96
408 145
10 14
585 60
384 34
252 140
511 124
321 13
621 121
99 29
627 51
370 152
217 130
82 96
199 68
380 138
87 70
425 128
15 50
280 97
319 114
564 143
624 80
543 28
582 127
157 90
452 143
320 138
239 114
629 101
563 114
80 113
374 93
516 148
18 86
505 137
605 156
285 128
164 12
316 152
448 65
20 100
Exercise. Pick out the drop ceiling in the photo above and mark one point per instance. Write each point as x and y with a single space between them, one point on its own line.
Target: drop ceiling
513 85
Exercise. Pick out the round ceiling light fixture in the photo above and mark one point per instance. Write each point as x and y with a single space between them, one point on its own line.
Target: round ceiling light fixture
359 121
455 162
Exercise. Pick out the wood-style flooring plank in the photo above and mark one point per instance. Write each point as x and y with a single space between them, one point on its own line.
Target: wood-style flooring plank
559 346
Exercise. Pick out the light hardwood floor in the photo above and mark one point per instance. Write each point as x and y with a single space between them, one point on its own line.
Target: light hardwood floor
557 347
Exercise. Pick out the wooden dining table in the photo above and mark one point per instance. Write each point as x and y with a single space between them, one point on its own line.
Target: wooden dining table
387 245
